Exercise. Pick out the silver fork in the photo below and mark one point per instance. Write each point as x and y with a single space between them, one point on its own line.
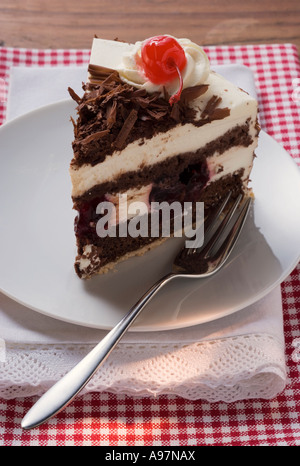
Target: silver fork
210 256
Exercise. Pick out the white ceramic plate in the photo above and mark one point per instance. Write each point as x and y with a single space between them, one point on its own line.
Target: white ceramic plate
37 246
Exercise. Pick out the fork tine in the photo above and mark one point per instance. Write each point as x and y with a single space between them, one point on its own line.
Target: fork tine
213 240
200 264
233 235
210 222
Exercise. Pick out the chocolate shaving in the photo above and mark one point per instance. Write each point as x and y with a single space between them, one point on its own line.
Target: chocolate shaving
74 126
220 113
192 93
96 70
101 74
211 106
211 112
175 113
112 93
73 95
157 114
113 77
94 136
127 127
111 114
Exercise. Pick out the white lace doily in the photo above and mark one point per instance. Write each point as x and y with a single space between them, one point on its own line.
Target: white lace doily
229 369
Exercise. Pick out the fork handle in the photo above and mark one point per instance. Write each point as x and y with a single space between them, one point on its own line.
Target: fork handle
63 392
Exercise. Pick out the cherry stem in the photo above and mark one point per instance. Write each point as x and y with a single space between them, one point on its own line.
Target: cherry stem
175 97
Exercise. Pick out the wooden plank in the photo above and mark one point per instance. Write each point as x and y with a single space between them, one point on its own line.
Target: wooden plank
72 23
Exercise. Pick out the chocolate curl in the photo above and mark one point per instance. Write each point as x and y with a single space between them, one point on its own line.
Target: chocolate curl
191 93
126 128
95 136
74 96
211 111
111 114
101 74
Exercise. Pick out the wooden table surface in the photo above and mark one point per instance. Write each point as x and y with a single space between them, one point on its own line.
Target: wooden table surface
73 23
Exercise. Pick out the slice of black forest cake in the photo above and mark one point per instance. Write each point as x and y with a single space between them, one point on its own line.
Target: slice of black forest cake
154 124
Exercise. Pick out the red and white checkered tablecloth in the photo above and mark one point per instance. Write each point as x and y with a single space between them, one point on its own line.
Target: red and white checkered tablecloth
119 420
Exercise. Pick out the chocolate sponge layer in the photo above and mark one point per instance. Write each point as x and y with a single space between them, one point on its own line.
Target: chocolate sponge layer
104 251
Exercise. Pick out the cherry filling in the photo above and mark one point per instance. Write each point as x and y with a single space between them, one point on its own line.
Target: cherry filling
187 188
194 177
86 219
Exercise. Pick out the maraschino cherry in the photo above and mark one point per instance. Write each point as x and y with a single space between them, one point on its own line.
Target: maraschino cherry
162 60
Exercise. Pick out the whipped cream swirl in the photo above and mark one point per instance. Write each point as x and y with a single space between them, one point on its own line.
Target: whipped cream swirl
195 72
